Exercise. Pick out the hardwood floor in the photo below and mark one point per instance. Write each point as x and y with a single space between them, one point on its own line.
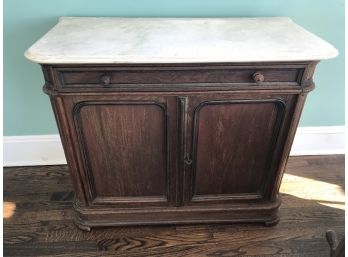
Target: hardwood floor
37 219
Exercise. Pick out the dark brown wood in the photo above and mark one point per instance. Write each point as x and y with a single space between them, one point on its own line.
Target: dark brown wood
105 76
38 219
170 77
127 142
228 132
226 164
177 143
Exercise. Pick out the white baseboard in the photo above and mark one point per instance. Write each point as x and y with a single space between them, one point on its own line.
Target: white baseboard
319 141
33 150
48 150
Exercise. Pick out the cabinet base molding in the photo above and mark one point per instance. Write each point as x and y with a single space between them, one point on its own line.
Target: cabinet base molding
264 212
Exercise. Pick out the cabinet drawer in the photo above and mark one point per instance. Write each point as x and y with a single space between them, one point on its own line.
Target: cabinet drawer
173 76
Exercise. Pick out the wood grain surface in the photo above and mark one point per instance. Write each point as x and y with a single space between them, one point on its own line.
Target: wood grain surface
38 219
226 162
125 145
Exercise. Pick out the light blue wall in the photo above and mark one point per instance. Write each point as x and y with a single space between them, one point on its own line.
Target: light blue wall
27 110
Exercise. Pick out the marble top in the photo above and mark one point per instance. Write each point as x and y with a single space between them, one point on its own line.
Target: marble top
177 40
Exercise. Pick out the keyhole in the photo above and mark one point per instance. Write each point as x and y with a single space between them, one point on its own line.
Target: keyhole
187 159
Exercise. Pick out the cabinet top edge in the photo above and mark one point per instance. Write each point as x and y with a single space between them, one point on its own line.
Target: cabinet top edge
120 40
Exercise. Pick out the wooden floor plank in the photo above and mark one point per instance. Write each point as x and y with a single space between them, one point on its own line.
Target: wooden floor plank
39 219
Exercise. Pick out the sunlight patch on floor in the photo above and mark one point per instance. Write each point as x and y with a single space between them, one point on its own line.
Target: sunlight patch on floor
323 193
9 209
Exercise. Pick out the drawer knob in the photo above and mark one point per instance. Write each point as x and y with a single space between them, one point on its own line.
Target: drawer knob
105 80
258 77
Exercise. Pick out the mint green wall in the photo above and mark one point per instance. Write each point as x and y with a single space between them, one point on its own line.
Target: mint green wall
26 107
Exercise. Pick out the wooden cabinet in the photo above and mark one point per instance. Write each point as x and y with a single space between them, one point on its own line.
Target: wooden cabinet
214 152
175 136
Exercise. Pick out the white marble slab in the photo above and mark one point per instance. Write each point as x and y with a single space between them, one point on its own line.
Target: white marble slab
177 40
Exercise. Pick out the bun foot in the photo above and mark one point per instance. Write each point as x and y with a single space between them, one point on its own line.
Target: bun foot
271 223
83 227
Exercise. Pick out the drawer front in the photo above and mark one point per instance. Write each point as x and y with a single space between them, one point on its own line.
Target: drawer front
174 76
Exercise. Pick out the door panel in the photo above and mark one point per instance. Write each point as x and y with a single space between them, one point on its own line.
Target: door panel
233 143
125 148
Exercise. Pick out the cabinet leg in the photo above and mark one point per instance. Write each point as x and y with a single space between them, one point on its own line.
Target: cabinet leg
83 227
271 223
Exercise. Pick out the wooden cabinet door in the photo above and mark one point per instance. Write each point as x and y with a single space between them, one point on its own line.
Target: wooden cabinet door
235 144
124 144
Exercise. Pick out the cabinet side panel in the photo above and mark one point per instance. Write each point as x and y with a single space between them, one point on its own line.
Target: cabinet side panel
60 113
234 143
125 148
